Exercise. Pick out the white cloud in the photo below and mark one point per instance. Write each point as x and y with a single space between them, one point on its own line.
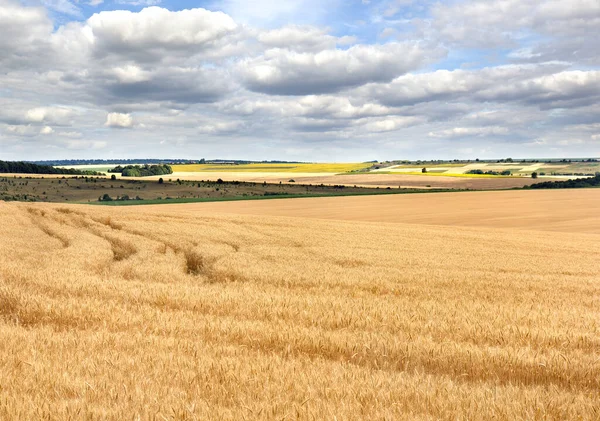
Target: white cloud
22 130
54 115
118 120
130 73
470 131
78 145
25 31
285 72
543 86
220 127
333 107
155 31
299 38
392 124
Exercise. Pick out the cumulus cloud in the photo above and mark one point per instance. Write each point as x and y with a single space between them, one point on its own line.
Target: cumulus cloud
541 86
392 124
334 107
177 84
53 115
21 130
301 38
25 31
284 72
155 32
118 120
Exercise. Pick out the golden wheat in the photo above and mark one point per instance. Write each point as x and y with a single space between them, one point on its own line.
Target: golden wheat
181 313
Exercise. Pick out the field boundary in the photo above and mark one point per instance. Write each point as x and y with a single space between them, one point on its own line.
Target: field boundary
384 191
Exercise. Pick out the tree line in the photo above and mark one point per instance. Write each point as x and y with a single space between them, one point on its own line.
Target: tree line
490 172
66 162
29 168
569 184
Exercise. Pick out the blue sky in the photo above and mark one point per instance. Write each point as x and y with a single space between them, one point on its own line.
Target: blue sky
316 80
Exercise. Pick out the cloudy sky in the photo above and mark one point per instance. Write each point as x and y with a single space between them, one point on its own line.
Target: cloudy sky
315 80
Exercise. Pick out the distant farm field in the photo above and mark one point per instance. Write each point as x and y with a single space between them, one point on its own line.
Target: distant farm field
268 167
442 173
369 179
450 306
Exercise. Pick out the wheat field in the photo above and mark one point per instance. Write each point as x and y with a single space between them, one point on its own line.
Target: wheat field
189 313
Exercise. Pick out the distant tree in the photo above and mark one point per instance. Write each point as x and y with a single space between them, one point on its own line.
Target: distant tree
424 170
219 181
160 181
142 170
534 175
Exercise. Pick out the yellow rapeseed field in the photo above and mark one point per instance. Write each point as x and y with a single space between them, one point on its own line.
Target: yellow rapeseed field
183 313
277 168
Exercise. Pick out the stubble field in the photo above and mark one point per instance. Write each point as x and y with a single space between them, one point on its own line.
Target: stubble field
372 180
188 312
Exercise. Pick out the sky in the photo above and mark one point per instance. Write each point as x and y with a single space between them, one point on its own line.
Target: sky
307 80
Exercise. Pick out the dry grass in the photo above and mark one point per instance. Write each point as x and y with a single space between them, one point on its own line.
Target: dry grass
206 316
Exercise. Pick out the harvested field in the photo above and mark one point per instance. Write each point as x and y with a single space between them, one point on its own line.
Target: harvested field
434 181
364 179
274 167
185 312
546 210
249 176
